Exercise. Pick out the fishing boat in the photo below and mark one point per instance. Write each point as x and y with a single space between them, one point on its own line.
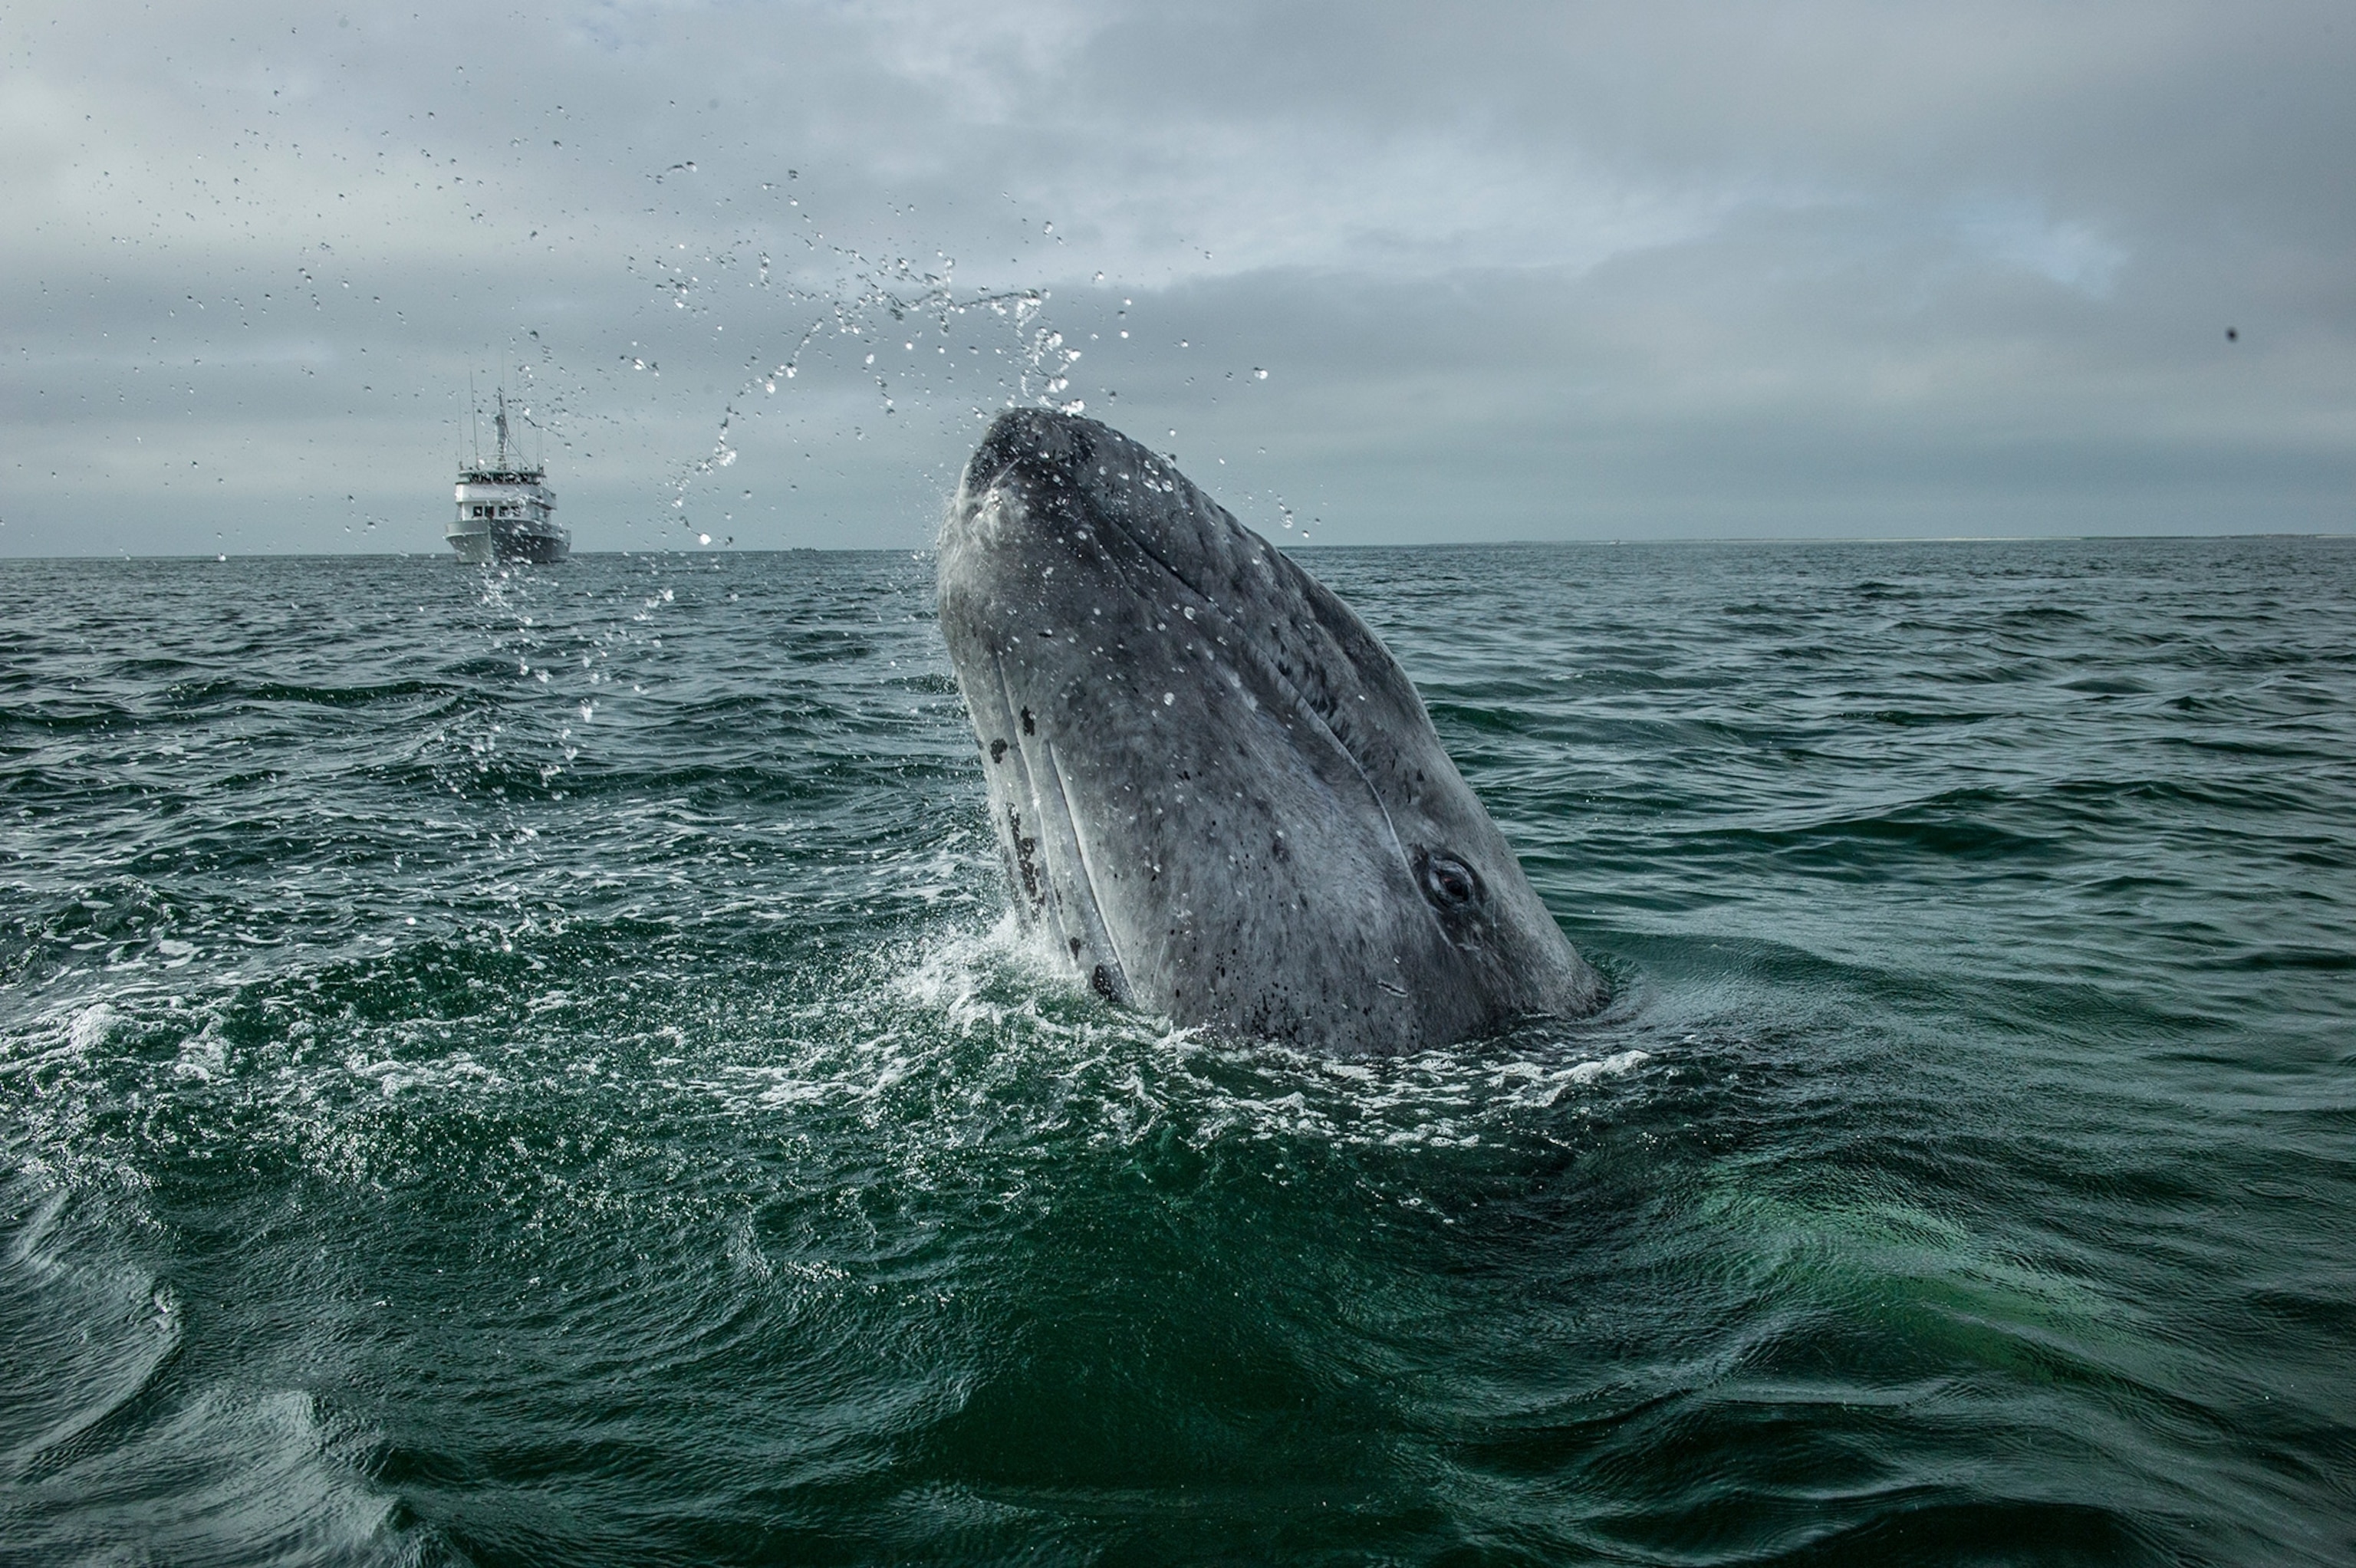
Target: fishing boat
506 511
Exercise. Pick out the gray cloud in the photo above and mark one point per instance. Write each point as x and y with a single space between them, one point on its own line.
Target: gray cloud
1541 271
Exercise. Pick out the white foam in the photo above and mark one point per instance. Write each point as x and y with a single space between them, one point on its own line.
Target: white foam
1054 1061
89 1028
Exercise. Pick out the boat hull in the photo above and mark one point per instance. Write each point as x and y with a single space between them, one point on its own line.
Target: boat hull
481 546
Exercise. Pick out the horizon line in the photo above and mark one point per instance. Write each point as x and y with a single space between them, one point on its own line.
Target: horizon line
702 551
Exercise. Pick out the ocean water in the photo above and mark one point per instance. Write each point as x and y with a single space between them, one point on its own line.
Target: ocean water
534 1068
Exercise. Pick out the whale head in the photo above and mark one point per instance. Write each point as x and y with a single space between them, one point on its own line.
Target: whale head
1216 790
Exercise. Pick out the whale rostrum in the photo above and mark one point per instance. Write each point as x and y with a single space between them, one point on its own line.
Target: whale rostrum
1216 792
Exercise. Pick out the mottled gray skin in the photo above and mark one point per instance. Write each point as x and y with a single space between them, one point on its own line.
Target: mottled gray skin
1216 790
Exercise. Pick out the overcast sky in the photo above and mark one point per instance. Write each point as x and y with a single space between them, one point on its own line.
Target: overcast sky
1390 273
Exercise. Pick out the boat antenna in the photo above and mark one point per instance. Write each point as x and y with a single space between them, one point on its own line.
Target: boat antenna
503 429
474 419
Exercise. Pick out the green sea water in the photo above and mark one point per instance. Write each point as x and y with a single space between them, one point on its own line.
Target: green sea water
536 1068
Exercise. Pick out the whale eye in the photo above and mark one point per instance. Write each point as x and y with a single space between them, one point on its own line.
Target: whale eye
1447 881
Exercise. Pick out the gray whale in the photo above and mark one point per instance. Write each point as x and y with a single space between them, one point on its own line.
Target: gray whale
1216 790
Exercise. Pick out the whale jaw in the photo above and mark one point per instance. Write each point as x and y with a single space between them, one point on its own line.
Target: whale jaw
1215 792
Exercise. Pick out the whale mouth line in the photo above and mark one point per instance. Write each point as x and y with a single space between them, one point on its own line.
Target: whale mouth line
1061 848
1110 977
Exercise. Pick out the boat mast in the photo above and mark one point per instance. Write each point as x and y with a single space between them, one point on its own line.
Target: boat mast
503 429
